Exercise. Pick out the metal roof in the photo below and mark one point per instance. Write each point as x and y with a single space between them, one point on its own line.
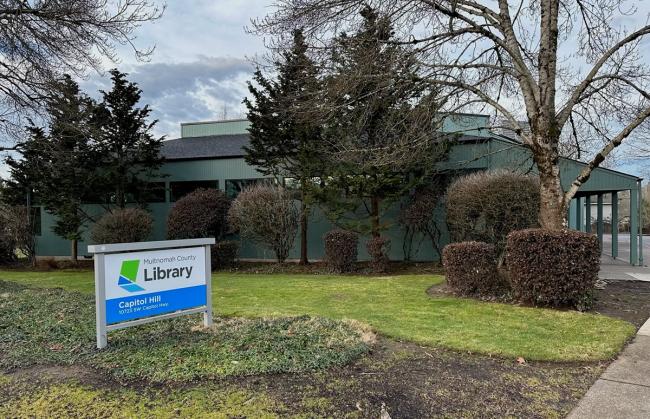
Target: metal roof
230 146
207 147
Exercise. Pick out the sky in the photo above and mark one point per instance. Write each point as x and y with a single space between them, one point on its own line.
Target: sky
200 64
202 60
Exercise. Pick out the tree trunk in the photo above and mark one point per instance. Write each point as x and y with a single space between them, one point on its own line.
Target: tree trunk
73 250
304 219
374 215
552 210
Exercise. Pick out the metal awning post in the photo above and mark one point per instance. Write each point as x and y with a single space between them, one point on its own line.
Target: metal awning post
640 191
579 223
614 225
634 226
599 219
588 213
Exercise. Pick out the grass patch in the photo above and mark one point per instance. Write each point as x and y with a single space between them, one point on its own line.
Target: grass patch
399 307
51 326
79 401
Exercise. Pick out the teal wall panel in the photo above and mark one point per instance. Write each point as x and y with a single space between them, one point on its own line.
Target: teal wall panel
492 153
506 155
200 129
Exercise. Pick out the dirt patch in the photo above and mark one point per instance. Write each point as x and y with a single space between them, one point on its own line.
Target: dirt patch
627 300
411 381
402 379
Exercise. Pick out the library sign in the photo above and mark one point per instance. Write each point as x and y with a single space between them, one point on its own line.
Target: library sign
137 283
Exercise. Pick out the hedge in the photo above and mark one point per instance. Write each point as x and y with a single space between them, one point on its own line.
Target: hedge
340 250
471 268
556 268
224 254
378 248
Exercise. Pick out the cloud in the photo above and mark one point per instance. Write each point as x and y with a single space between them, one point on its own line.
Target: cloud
186 91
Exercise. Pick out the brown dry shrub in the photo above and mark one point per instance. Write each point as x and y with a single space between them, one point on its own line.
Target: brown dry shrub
126 225
267 216
486 206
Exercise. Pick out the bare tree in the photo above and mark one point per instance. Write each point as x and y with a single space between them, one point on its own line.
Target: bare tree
553 64
42 39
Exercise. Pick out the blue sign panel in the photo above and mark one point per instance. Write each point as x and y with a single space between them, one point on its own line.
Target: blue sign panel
151 283
146 305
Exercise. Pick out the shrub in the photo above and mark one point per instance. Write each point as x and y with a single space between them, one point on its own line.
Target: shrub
378 249
126 225
201 213
340 250
555 268
7 250
471 268
486 206
417 216
16 234
224 254
266 215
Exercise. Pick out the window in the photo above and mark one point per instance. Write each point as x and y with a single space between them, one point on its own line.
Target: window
180 189
235 186
153 192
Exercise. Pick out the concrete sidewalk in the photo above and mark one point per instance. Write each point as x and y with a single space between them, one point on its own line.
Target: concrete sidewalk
623 391
622 272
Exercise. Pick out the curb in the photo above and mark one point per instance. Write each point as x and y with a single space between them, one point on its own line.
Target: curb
645 329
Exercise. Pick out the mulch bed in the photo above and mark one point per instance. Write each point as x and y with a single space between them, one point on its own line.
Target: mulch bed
400 379
627 300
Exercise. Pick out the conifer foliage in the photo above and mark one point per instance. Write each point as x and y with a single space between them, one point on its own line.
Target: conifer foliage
130 153
58 164
284 141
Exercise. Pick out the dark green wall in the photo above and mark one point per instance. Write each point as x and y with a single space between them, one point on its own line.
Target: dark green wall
492 153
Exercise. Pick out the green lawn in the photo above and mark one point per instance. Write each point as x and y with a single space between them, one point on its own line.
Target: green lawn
399 307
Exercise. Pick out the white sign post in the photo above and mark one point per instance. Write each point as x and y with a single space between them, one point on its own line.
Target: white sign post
137 283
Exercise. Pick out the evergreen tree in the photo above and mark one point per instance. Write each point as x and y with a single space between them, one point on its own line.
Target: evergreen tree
381 126
130 153
284 141
57 167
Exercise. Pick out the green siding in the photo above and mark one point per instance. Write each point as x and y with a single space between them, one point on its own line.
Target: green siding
467 124
491 153
201 129
506 155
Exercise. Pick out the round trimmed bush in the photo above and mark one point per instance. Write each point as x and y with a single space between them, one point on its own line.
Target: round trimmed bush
378 248
486 206
556 268
224 254
471 268
201 213
267 216
126 225
340 250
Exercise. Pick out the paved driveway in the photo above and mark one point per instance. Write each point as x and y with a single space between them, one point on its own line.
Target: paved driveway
624 247
620 267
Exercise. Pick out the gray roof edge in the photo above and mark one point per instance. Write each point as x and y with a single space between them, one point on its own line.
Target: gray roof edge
216 121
